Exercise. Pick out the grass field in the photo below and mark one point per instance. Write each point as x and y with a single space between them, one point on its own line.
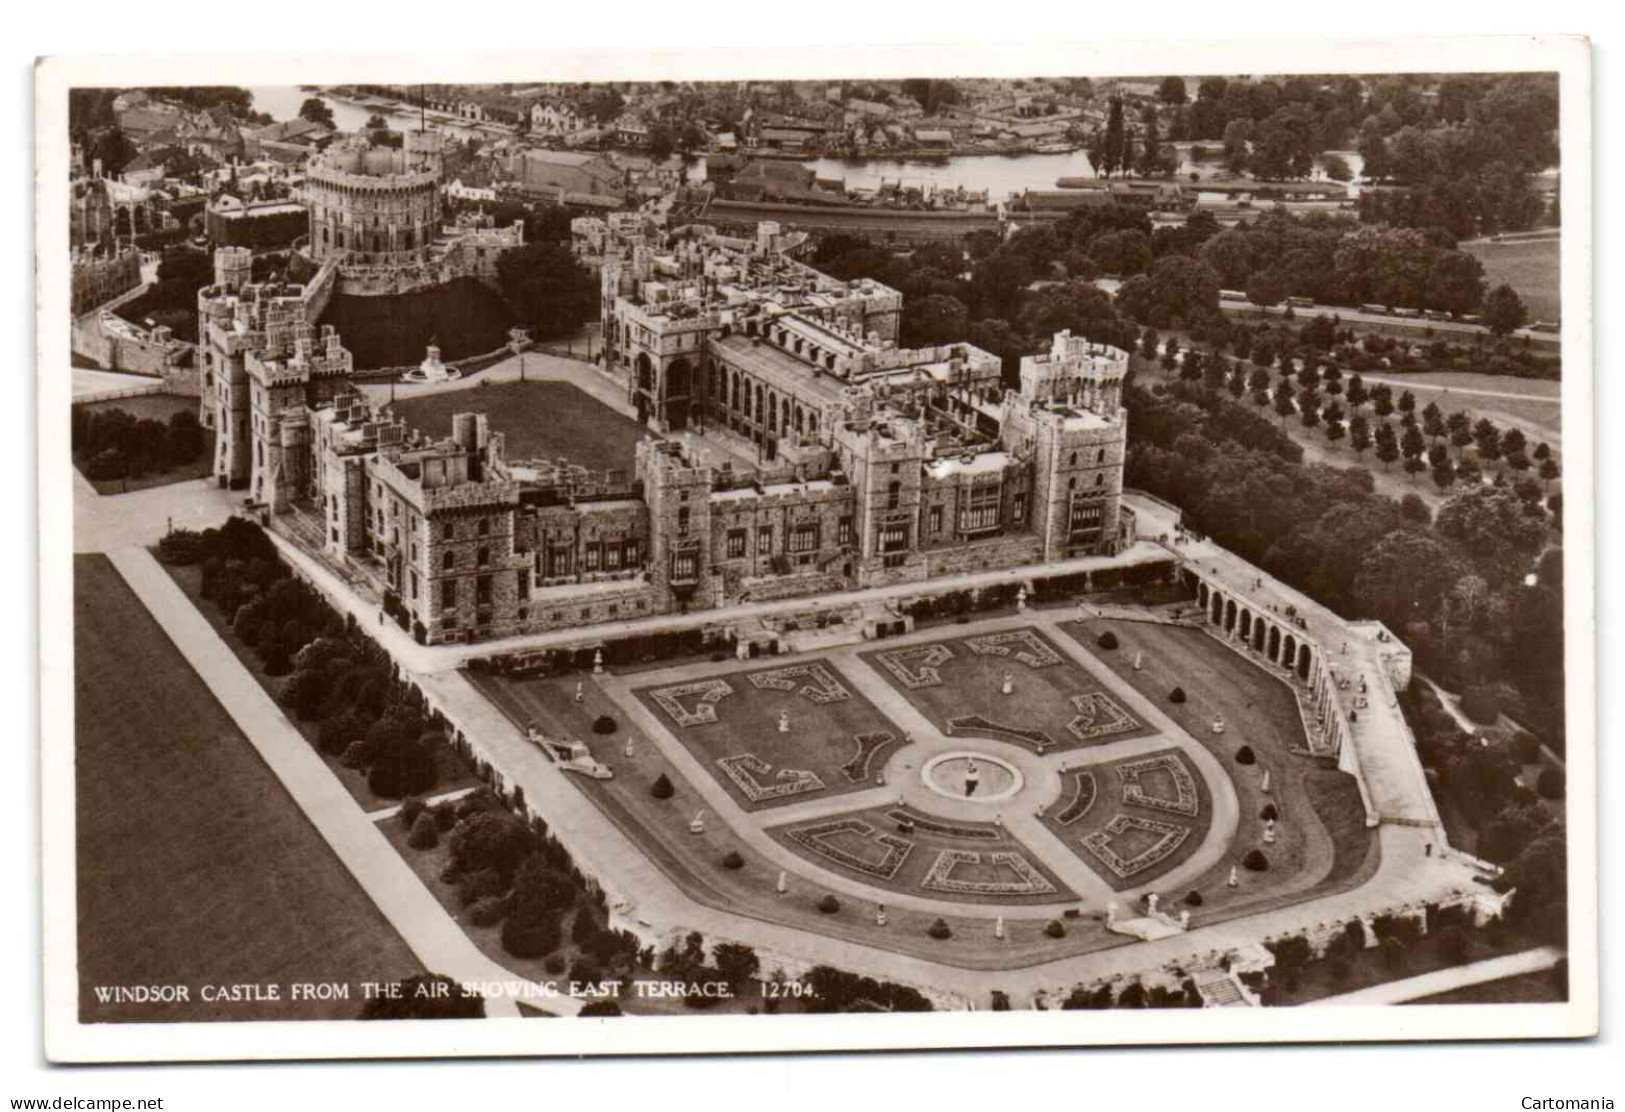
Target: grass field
1531 267
540 420
195 867
1537 409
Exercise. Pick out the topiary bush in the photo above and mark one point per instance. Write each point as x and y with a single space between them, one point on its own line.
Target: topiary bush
829 905
1107 640
1194 898
1255 861
603 724
425 834
732 860
1245 756
1270 813
1055 929
526 937
411 807
445 815
1177 695
939 930
1550 783
1481 704
477 885
661 788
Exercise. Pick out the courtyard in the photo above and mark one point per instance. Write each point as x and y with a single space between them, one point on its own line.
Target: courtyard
545 420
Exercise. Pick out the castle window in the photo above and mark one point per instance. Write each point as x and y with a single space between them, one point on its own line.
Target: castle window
980 512
1100 479
612 557
524 585
893 493
1018 508
736 544
682 521
484 557
450 561
412 578
1100 456
630 552
590 561
764 540
447 531
482 590
843 532
1072 460
804 538
448 595
485 527
936 520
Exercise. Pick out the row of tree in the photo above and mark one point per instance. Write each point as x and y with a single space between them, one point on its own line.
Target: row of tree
113 444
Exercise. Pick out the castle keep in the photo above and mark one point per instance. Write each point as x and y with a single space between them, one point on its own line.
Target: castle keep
801 451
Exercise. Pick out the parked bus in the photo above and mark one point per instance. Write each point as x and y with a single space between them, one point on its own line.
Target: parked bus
1375 310
1232 295
1545 326
1301 302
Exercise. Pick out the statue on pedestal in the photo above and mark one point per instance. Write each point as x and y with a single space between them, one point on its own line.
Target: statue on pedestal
696 825
1264 785
783 885
628 750
880 915
1021 599
1185 918
1151 903
1111 914
1139 660
1009 685
598 662
1235 878
998 927
973 778
581 692
1269 832
784 721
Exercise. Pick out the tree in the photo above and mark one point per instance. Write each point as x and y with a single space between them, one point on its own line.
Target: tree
1404 575
1172 91
1356 391
1460 428
937 319
1548 471
1407 402
1412 445
1503 311
1513 442
547 288
736 962
1284 405
1334 430
1359 434
317 111
1488 439
1115 142
1433 420
1309 407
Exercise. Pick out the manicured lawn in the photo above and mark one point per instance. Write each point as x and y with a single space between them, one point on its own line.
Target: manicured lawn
958 683
1536 409
1532 267
454 775
693 861
732 728
1531 988
1092 799
539 420
1321 841
195 867
847 844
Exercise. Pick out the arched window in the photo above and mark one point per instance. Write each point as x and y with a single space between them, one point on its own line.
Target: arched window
1072 460
450 561
1100 479
1072 483
1100 456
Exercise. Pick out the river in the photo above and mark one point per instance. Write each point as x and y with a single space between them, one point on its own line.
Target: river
1001 175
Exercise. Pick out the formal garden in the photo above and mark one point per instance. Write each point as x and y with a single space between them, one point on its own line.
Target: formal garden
903 849
1012 685
778 735
1300 834
1134 819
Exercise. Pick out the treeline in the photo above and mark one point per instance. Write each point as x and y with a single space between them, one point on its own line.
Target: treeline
1466 160
113 444
337 677
1456 591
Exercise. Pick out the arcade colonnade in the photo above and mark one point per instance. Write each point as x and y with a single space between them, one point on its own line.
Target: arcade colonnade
1284 640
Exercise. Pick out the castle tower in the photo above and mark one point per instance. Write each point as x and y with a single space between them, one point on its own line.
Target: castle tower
678 495
233 268
886 462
